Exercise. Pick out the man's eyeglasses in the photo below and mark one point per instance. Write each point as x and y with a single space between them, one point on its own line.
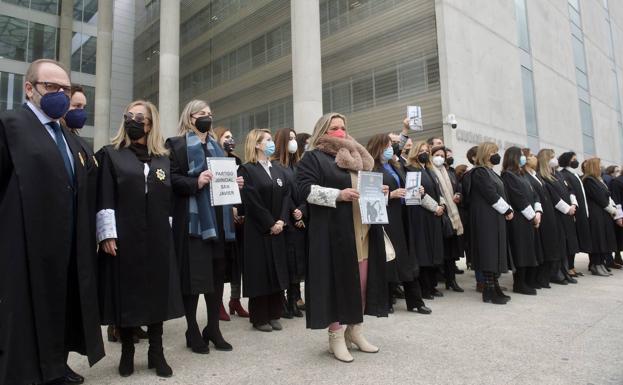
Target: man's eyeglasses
54 87
138 117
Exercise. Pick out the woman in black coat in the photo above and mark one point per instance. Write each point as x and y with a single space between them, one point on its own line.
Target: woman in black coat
266 199
549 237
560 194
488 214
425 227
200 246
346 273
405 266
286 156
522 199
568 162
602 213
138 276
616 191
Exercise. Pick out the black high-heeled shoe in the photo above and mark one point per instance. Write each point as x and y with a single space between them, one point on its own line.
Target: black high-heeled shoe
421 309
454 286
195 342
156 360
126 362
490 295
217 339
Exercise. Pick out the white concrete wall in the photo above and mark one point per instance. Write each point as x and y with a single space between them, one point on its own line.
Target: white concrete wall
481 75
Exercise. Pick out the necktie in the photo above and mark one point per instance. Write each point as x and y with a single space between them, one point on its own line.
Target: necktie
60 143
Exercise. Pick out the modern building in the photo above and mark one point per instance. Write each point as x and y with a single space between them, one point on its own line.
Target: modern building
537 73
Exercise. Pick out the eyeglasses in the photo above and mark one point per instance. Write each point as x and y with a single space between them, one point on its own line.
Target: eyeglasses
54 87
138 117
201 114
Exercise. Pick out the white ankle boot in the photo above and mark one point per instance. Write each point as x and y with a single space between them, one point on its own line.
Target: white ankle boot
337 346
354 335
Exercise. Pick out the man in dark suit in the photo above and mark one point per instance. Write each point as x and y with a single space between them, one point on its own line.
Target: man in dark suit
48 292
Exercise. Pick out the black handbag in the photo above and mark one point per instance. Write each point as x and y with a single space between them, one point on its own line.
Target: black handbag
446 226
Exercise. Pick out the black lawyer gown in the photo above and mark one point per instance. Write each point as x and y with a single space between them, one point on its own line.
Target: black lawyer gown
603 238
550 237
616 190
559 190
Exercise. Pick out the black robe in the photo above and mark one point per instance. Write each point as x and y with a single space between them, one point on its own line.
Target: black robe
266 200
582 228
332 289
465 188
47 277
425 231
196 271
521 197
406 264
550 240
603 238
140 285
296 239
488 234
616 190
559 190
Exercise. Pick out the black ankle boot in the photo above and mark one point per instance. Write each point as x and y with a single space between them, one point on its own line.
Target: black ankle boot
195 342
292 308
519 282
126 363
454 286
155 354
490 295
217 339
499 292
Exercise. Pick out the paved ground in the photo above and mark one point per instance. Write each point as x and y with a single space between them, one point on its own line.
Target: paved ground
566 335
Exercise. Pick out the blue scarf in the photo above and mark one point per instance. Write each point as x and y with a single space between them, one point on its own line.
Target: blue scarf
202 217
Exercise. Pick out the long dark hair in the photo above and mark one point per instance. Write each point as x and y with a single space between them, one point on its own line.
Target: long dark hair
376 146
282 138
511 160
301 140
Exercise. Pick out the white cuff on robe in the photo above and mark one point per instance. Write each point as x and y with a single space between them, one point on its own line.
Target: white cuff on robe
501 206
106 225
538 207
562 206
429 203
171 222
619 214
611 210
323 196
573 199
528 213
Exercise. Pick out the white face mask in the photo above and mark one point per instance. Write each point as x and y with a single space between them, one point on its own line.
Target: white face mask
553 163
438 160
292 146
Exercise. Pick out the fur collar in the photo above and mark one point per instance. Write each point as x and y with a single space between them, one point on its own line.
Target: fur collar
349 154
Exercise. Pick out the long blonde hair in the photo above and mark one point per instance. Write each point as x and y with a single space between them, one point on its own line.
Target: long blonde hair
185 125
483 154
322 126
592 167
254 137
412 159
155 141
544 156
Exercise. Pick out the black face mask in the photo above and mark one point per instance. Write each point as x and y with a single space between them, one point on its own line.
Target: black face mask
134 129
396 149
574 164
449 161
203 123
423 157
229 145
495 159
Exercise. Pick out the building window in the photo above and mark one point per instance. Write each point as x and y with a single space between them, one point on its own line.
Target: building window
586 119
47 6
83 48
527 83
41 42
85 11
363 93
26 41
11 91
522 25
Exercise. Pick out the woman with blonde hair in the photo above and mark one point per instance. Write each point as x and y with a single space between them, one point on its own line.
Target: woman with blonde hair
489 211
560 195
201 231
138 276
425 232
266 199
602 212
346 259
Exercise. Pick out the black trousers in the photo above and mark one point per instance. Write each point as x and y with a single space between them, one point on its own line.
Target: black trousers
428 279
265 308
413 294
448 270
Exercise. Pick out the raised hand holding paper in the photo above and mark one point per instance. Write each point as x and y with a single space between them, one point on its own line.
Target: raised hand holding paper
415 117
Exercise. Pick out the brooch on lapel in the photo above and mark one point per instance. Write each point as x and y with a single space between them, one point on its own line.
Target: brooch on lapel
279 182
160 174
81 158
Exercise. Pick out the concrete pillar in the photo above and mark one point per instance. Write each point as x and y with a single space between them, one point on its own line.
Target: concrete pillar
66 33
103 59
306 64
169 77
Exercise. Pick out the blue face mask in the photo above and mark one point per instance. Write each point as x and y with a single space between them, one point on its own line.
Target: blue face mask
76 118
522 161
270 148
55 104
388 154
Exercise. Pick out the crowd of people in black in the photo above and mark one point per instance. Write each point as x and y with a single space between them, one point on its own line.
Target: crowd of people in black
128 237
